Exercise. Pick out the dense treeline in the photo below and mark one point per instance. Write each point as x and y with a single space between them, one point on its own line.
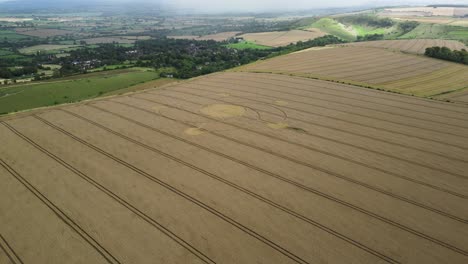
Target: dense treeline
368 20
8 73
317 42
444 53
370 37
408 26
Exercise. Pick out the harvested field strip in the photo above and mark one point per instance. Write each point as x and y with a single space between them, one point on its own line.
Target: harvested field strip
359 93
374 71
59 212
324 61
412 45
391 64
161 132
6 248
265 240
459 96
364 58
338 175
377 77
344 66
339 68
447 162
448 71
397 68
455 73
392 109
323 57
383 170
457 133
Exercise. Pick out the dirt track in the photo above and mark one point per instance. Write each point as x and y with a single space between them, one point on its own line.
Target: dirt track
237 168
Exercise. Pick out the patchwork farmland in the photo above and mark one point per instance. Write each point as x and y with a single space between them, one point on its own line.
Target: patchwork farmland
43 33
238 167
371 67
427 11
282 38
216 37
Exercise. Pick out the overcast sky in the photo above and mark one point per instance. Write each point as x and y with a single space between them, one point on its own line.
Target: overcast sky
264 5
289 5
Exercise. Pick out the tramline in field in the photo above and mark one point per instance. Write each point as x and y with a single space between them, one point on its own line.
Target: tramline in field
235 159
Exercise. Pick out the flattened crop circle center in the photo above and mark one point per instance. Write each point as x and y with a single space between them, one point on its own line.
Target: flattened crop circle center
223 110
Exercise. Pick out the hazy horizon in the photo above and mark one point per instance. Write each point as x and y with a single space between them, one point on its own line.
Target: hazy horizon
242 5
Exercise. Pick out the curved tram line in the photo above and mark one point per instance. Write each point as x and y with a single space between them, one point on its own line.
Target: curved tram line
357 162
345 104
366 136
318 168
361 124
316 135
216 80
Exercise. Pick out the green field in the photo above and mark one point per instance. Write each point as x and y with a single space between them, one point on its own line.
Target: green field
49 49
110 67
16 57
247 45
362 30
333 27
11 36
4 52
59 91
438 31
